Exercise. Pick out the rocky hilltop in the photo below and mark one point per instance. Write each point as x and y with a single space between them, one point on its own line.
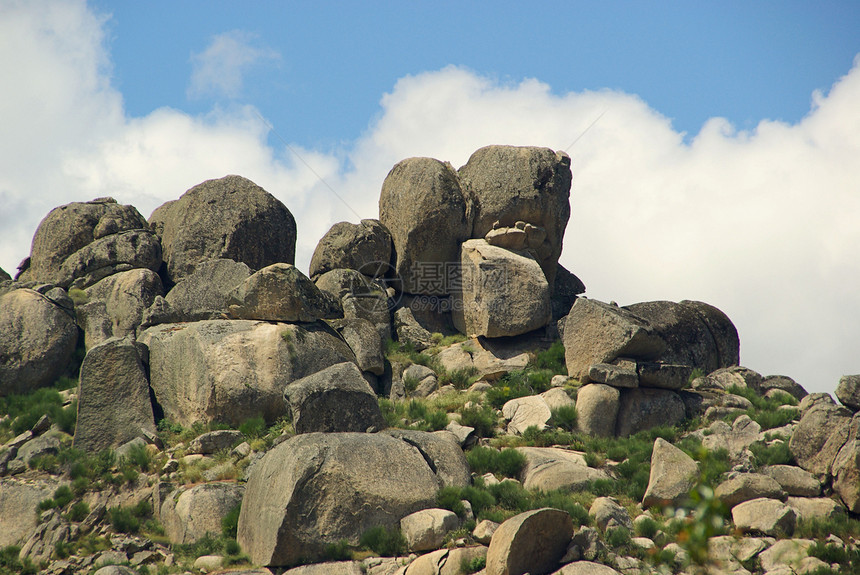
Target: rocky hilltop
435 396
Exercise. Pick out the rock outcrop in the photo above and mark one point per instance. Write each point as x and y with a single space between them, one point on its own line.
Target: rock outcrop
365 247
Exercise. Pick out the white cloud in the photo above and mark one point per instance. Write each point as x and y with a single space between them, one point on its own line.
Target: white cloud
761 223
219 71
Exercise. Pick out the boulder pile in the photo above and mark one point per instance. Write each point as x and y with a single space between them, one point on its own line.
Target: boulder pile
436 392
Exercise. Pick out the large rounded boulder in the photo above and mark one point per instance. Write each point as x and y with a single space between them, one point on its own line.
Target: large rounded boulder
37 340
318 489
231 217
508 184
423 207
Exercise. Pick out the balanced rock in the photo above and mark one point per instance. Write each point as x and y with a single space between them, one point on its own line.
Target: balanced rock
72 227
280 292
232 370
116 304
230 217
673 475
783 383
205 292
37 340
596 332
113 396
336 398
189 514
317 489
365 247
505 185
531 542
423 207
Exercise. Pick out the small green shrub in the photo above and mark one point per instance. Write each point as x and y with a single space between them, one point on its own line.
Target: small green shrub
565 417
842 526
230 522
451 499
473 566
10 563
483 419
63 496
340 551
618 538
510 495
384 542
253 427
774 453
646 527
552 359
123 520
78 511
518 384
460 378
507 462
548 437
139 455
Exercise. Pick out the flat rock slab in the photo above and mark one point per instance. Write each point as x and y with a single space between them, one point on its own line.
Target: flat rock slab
552 468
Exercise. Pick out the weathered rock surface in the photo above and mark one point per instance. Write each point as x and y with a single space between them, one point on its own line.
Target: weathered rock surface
586 568
113 396
596 332
115 305
230 217
72 227
409 331
327 568
508 184
334 399
767 516
531 542
502 293
565 288
37 340
19 501
794 480
820 508
525 412
280 292
490 359
205 292
188 514
365 247
747 486
846 468
215 441
619 376
785 553
442 450
818 437
317 489
232 370
111 254
363 338
597 409
727 377
664 375
445 561
673 475
423 207
608 514
643 408
551 468
425 530
848 391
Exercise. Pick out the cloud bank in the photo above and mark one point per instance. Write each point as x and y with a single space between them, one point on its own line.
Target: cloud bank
761 223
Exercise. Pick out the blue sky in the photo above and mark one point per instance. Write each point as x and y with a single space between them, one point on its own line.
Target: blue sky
324 65
723 168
